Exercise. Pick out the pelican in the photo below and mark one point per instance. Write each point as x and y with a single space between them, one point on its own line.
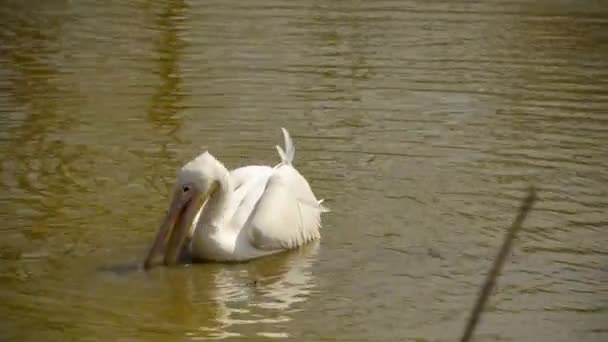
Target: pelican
249 212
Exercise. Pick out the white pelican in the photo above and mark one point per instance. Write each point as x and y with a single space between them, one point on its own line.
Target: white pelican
239 215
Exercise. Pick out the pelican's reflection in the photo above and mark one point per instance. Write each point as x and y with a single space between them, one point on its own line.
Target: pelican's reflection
244 299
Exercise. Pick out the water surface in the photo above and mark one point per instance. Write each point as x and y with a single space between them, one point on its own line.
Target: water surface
420 122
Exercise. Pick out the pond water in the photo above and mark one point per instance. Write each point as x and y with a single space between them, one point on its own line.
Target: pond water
421 123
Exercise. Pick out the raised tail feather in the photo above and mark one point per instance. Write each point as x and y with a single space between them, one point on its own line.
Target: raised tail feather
287 156
289 153
323 208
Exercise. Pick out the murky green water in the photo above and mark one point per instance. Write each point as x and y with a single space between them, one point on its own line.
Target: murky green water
421 122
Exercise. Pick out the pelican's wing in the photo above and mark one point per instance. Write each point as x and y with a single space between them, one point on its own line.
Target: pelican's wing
248 183
246 174
287 214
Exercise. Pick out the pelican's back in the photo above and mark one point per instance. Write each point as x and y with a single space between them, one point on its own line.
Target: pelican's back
287 214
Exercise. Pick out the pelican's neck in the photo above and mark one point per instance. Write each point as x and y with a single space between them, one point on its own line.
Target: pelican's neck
218 201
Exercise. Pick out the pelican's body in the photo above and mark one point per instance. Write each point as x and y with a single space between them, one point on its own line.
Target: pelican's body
248 212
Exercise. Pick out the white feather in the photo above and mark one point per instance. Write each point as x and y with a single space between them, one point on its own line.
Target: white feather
259 210
289 153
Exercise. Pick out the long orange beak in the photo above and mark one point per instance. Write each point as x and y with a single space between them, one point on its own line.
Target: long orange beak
175 228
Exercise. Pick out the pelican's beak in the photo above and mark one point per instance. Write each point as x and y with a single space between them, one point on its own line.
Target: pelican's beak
176 226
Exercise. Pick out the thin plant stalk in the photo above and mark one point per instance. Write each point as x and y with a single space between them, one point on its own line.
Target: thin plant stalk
491 277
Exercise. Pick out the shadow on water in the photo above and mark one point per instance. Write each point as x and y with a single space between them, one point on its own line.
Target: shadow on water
166 103
38 166
39 159
122 268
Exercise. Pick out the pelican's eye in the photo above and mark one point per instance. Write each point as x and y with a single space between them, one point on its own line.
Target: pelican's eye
186 188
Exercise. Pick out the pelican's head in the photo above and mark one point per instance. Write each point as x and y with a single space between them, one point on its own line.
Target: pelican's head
196 182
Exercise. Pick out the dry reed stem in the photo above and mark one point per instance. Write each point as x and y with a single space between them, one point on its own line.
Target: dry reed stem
490 280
